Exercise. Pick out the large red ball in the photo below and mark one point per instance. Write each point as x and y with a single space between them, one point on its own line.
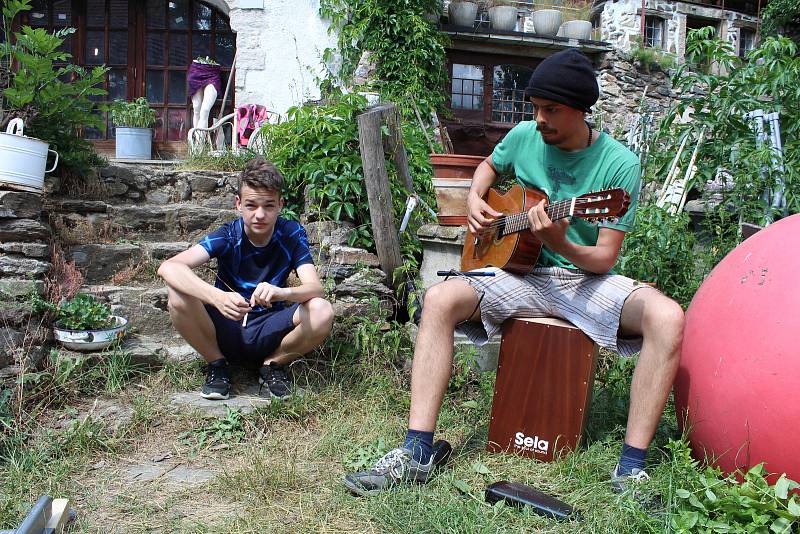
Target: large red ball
739 379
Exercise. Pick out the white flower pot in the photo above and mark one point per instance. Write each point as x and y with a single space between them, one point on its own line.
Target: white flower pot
503 18
133 143
576 29
23 160
546 21
462 13
88 340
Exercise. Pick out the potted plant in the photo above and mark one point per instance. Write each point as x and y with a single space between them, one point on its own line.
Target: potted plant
462 13
502 14
85 324
134 132
452 177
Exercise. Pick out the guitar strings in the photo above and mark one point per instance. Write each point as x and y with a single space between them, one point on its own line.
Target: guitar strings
556 207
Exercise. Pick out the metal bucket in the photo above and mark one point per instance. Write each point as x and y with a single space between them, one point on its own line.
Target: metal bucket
23 160
134 143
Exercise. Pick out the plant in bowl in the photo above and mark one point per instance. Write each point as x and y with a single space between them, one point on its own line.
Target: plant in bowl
134 132
83 323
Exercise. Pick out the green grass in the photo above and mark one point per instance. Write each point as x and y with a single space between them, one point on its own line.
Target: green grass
279 468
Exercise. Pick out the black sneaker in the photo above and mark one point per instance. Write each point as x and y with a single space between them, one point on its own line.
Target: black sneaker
275 379
218 381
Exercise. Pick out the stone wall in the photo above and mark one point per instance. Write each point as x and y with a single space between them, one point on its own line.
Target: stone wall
620 22
24 262
622 84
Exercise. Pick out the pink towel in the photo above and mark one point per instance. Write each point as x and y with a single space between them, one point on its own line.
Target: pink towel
250 117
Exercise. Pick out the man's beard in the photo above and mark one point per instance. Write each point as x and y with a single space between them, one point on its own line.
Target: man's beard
552 140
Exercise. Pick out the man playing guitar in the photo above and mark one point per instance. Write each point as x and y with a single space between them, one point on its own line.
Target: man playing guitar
564 157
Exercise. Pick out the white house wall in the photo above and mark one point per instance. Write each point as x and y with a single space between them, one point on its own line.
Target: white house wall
279 47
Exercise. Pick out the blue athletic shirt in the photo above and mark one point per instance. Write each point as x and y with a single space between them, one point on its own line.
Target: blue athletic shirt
241 266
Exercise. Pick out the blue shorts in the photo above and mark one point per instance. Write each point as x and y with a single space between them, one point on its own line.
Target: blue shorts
251 344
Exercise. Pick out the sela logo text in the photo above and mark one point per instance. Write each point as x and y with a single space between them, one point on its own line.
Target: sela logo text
527 443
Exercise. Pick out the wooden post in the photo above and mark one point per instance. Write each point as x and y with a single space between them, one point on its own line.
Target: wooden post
396 147
379 194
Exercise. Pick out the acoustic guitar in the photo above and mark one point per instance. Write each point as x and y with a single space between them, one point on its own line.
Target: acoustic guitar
508 243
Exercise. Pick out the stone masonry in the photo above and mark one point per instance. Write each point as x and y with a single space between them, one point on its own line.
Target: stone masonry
24 262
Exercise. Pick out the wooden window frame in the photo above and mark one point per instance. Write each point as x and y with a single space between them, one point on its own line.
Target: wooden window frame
136 67
488 62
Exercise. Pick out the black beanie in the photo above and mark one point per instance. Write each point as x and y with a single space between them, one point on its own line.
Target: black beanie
566 77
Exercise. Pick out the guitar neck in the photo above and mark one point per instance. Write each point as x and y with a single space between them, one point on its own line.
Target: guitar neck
519 221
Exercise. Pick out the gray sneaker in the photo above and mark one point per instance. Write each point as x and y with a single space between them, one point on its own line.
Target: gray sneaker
395 467
622 483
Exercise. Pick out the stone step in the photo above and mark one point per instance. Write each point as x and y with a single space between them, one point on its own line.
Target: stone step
101 262
145 307
157 350
180 221
158 184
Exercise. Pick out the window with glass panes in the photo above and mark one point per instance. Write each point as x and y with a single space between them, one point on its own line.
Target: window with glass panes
467 87
747 41
177 31
509 104
654 32
110 33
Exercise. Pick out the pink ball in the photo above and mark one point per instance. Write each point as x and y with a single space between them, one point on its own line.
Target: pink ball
739 377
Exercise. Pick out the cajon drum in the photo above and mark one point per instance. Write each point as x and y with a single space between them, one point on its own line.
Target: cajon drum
543 388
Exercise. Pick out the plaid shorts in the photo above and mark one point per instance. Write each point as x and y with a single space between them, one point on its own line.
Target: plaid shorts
592 302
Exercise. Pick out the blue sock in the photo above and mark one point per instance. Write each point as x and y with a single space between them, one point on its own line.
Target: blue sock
420 444
630 459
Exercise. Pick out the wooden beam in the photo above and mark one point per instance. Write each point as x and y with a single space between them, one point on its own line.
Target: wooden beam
379 194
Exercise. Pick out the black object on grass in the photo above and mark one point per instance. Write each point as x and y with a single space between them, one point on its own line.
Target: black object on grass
441 452
520 495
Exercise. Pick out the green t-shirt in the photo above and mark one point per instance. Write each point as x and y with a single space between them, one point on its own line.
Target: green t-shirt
607 164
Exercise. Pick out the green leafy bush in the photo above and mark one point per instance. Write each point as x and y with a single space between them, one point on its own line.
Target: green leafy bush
408 48
651 58
660 249
317 150
709 502
136 114
35 89
720 89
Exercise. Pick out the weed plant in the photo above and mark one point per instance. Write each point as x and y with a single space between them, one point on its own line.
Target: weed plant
721 88
225 161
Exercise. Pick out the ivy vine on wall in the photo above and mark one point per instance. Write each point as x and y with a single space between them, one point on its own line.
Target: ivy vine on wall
407 46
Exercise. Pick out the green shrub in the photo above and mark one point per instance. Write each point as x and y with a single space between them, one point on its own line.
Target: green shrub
409 50
317 150
54 110
651 58
709 502
136 114
660 249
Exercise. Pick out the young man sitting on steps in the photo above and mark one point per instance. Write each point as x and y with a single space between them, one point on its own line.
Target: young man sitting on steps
562 155
248 316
